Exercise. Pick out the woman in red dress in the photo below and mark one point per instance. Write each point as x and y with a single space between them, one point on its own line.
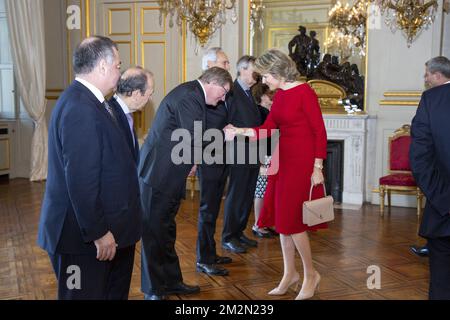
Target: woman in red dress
301 150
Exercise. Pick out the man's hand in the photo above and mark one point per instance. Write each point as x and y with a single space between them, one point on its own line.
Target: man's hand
230 132
106 247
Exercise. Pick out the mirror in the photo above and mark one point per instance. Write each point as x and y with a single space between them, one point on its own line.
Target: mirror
286 22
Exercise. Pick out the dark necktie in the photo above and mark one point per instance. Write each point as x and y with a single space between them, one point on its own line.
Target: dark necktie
110 110
249 95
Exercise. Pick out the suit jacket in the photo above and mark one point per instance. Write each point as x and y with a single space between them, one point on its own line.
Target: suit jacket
243 113
178 110
430 159
133 143
92 185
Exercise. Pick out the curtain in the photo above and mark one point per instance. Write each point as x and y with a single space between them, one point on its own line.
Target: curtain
26 29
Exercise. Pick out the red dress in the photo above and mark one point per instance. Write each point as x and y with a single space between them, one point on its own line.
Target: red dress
296 113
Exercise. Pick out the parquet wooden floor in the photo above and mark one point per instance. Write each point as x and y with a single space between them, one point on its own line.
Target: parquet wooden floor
358 238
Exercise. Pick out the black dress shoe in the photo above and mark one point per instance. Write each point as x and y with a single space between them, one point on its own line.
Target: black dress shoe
258 233
154 297
234 246
420 251
212 269
182 288
248 242
223 260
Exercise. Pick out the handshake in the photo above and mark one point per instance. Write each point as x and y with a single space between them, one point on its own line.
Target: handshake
231 132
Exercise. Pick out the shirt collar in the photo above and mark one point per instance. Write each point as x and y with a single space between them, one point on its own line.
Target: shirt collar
447 82
203 88
122 104
242 84
97 93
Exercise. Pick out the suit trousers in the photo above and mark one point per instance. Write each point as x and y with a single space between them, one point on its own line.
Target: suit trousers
439 255
83 277
160 266
212 183
239 201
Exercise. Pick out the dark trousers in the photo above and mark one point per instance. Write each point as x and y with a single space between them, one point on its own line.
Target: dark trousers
439 255
160 266
83 277
239 201
212 183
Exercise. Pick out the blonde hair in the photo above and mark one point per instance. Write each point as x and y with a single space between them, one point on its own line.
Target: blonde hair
278 64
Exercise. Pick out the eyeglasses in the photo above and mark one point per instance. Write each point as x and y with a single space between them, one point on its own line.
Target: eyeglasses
225 91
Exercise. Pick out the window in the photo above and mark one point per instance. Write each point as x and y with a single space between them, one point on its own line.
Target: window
7 104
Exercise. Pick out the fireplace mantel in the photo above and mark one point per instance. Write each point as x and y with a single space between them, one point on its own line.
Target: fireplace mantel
352 129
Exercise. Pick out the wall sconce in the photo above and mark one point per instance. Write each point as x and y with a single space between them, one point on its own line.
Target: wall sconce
410 16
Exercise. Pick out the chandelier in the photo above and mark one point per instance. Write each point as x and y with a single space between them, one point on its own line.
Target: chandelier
410 16
256 15
203 17
348 29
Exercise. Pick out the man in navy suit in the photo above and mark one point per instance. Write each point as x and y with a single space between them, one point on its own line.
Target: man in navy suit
134 89
430 164
212 180
432 79
91 216
164 165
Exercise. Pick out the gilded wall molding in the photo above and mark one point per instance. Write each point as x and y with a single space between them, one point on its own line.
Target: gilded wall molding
401 98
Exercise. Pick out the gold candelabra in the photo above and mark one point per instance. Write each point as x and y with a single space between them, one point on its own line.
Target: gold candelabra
348 23
203 17
348 29
410 16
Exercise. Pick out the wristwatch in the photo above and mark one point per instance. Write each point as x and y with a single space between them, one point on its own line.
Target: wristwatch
318 166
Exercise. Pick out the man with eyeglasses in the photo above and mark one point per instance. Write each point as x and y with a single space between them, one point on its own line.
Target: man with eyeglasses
162 181
212 180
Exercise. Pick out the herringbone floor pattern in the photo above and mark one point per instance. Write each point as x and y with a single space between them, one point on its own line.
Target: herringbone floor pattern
358 238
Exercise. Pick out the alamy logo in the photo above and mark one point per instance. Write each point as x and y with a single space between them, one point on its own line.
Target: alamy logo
74 280
74 19
208 147
374 281
374 18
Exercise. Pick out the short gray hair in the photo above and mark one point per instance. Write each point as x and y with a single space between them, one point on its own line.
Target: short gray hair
90 51
439 64
217 75
244 62
210 55
134 79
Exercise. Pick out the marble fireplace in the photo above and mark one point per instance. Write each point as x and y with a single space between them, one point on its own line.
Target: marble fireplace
352 131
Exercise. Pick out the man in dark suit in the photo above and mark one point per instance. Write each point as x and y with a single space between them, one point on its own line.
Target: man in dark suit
91 216
430 164
243 112
163 168
432 79
212 180
134 89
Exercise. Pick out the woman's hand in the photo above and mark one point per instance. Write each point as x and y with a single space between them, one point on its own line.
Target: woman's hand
317 176
231 132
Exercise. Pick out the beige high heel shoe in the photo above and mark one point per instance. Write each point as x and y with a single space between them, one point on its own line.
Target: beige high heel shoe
306 295
280 291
